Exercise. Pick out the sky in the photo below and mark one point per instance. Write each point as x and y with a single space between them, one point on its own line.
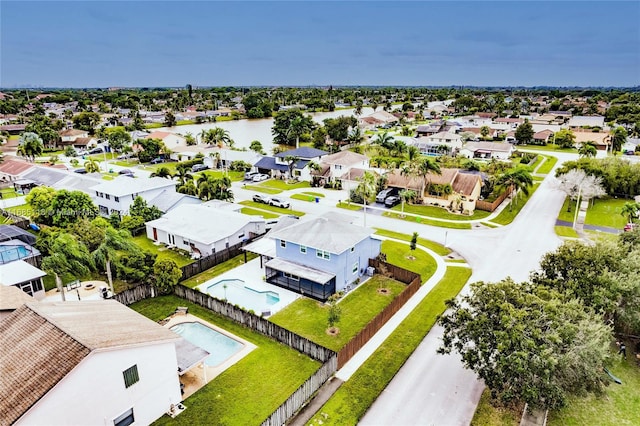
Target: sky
300 43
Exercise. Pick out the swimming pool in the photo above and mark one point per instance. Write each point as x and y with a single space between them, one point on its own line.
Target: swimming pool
12 253
220 346
236 292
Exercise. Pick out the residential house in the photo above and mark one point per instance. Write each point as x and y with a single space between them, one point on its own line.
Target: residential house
319 256
204 229
511 122
86 363
55 178
278 167
170 140
11 170
542 137
601 140
462 193
438 144
13 129
580 121
487 150
118 195
23 275
69 136
377 119
339 167
430 129
169 199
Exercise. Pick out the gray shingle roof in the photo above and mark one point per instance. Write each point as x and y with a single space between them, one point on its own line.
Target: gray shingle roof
125 185
305 152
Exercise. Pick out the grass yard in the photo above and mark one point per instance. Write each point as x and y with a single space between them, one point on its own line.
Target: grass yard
234 176
8 193
509 213
283 185
262 189
488 415
546 167
254 212
308 317
307 196
427 221
355 396
22 210
606 212
489 224
219 269
439 213
349 206
261 206
242 394
163 253
438 248
549 147
398 253
566 231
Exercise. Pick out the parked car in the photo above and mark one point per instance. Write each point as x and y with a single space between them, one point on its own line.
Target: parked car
97 150
157 160
126 172
386 193
199 167
392 201
279 202
80 171
250 175
259 198
124 156
259 177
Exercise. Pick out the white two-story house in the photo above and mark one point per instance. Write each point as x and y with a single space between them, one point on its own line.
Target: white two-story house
119 194
85 363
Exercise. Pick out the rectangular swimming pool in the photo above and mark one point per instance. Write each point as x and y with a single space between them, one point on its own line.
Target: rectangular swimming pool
235 291
220 346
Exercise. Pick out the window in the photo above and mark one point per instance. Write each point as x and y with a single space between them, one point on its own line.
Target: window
97 194
353 249
117 199
338 167
107 196
323 254
283 244
130 376
354 270
303 249
124 419
291 276
104 210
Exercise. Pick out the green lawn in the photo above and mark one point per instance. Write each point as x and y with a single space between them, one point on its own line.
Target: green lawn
307 196
489 224
488 415
427 221
417 260
234 176
439 212
22 210
548 165
349 206
100 157
308 317
355 396
261 206
283 185
163 253
603 212
126 163
549 147
219 269
241 395
262 189
509 213
254 212
9 193
438 248
566 231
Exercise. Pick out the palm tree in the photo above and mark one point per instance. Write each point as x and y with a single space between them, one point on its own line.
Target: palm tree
188 188
515 179
424 168
366 189
297 128
183 175
406 195
113 241
91 166
68 257
216 159
216 136
588 149
618 138
162 172
355 136
358 110
30 146
630 210
291 161
385 140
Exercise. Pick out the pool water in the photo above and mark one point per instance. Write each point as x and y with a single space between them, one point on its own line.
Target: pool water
12 253
220 346
237 293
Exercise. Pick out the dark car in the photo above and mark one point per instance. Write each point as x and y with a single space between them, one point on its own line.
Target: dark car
157 160
394 200
259 198
80 171
126 172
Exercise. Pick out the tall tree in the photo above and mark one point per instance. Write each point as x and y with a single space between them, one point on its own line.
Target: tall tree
118 138
587 149
518 179
113 242
86 121
256 146
524 133
166 275
286 134
68 256
630 211
291 161
618 138
565 138
216 136
366 190
526 343
169 119
70 206
30 146
424 168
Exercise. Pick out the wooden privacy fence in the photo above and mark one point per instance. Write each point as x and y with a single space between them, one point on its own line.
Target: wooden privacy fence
490 207
19 221
359 340
136 294
303 394
213 259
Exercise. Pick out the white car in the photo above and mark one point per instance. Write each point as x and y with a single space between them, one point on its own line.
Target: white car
259 178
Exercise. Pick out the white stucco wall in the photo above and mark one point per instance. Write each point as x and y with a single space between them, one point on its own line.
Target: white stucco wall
94 392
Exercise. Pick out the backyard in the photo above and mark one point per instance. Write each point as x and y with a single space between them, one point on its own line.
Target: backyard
240 395
162 251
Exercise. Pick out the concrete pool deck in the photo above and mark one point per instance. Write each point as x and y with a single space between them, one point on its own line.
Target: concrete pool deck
251 273
198 376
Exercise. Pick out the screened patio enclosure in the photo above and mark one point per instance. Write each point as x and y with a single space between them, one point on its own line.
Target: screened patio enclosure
307 281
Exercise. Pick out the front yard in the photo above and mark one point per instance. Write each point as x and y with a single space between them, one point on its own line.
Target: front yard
603 212
249 391
439 213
